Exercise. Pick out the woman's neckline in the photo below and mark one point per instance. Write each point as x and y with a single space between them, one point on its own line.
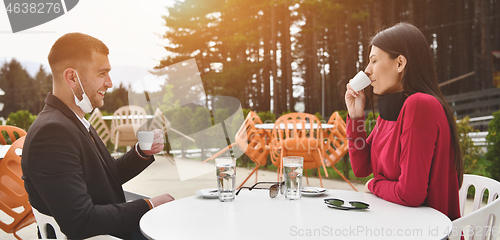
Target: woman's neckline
390 105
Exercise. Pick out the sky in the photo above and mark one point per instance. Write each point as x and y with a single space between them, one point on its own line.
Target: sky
130 28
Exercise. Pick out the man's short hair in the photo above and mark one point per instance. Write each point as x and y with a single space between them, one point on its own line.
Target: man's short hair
72 48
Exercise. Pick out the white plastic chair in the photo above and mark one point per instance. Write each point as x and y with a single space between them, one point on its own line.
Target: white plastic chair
46 223
126 122
100 125
482 222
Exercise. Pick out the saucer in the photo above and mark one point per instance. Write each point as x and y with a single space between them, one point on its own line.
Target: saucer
312 191
208 193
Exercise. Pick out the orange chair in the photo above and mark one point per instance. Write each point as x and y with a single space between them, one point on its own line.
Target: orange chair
298 134
126 121
13 196
11 132
336 143
254 142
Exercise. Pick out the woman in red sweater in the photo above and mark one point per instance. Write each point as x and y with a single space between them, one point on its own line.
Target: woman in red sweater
413 151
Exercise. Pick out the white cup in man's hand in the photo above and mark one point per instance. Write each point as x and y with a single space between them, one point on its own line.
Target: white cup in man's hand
145 139
360 81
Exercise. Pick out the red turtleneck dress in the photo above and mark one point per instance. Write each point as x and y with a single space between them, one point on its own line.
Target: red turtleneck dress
412 159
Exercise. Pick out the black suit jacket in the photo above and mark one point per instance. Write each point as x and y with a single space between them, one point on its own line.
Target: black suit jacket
73 178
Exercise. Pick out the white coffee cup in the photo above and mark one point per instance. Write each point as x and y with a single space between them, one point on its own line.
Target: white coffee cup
360 81
145 139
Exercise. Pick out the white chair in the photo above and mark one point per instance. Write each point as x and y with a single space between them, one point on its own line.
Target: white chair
482 222
100 125
48 224
127 120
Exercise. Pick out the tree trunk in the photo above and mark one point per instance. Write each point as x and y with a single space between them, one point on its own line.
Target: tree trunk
482 54
342 75
266 76
274 67
286 59
315 78
411 12
487 78
459 47
377 15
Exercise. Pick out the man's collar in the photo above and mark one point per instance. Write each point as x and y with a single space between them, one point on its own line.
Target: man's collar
61 106
84 121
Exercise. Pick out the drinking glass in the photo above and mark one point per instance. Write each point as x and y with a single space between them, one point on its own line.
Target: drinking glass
292 172
226 178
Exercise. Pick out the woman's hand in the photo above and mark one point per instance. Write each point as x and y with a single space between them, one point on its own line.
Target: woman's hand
355 102
366 190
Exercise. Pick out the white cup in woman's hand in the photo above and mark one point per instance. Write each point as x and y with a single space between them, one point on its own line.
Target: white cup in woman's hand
360 81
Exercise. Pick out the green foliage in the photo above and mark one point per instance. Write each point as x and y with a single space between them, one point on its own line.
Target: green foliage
318 115
236 123
286 112
343 114
471 154
267 117
115 99
20 89
370 123
43 82
246 111
22 119
168 99
181 120
493 154
200 124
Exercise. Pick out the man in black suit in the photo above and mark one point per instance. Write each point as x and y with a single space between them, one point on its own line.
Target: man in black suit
68 172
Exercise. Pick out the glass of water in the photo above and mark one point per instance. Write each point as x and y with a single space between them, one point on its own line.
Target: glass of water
292 172
226 178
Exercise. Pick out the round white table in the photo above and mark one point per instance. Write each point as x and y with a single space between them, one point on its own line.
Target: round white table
3 150
254 215
270 126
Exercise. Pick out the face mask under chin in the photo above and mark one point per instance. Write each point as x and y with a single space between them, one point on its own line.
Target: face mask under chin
85 104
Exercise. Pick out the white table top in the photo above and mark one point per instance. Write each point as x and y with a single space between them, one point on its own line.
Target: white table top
290 126
3 150
254 215
110 117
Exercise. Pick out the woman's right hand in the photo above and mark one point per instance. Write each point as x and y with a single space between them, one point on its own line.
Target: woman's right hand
355 102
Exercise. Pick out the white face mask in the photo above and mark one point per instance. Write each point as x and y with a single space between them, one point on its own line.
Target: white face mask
85 104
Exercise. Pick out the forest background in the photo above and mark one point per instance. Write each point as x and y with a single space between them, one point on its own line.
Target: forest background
281 56
273 54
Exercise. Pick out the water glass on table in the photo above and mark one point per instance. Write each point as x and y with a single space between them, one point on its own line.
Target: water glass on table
226 178
292 172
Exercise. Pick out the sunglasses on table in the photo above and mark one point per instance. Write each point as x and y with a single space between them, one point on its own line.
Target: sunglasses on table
274 189
339 204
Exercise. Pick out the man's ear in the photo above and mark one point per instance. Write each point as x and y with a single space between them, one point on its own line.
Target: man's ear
401 63
69 76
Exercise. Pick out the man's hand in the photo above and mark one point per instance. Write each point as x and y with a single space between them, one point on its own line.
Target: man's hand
159 200
157 143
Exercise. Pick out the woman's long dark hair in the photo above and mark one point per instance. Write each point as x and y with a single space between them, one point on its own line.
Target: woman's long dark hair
419 73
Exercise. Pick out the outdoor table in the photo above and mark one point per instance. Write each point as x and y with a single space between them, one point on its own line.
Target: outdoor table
3 150
270 126
254 215
110 117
